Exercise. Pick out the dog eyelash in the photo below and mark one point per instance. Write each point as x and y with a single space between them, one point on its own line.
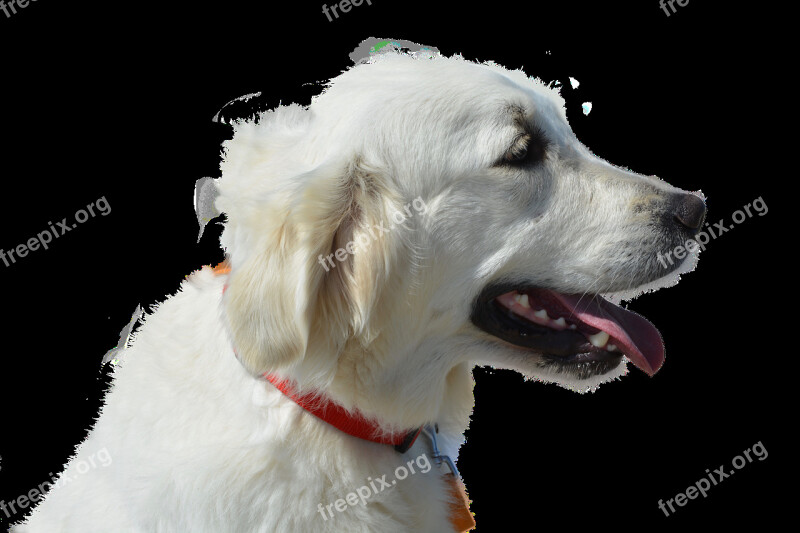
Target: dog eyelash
518 150
527 148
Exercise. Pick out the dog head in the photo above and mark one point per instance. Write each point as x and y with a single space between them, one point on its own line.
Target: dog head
425 215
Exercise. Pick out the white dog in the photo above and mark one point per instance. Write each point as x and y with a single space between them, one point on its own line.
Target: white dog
421 216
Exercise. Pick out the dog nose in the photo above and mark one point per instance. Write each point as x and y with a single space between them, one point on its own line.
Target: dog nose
690 211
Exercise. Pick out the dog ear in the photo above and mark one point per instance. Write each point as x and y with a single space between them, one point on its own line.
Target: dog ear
297 272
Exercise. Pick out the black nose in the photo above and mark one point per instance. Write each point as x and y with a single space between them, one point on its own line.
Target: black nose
690 211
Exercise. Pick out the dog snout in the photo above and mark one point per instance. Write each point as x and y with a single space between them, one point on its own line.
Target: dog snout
688 211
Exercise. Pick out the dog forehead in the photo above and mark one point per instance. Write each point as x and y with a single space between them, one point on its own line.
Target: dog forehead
404 85
411 101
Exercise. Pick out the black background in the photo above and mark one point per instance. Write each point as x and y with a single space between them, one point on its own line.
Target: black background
117 100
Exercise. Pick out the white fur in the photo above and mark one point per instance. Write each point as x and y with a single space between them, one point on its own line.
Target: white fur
200 443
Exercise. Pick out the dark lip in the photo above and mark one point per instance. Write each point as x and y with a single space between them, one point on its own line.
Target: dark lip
565 348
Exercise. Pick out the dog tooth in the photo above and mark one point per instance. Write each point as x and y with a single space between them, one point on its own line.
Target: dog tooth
611 347
517 296
560 322
541 314
573 326
599 339
523 301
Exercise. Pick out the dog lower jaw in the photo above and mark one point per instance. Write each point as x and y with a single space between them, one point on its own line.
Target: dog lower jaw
580 377
535 365
582 370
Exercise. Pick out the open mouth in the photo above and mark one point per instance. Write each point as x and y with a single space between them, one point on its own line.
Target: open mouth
570 330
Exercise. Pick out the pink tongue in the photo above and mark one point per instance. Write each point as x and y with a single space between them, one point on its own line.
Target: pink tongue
635 336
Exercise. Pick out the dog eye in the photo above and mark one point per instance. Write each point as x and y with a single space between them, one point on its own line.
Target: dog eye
518 152
528 148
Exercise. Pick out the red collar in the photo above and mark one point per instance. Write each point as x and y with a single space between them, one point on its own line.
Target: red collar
351 422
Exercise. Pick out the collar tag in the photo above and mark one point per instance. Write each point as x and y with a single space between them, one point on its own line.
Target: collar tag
431 432
460 516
